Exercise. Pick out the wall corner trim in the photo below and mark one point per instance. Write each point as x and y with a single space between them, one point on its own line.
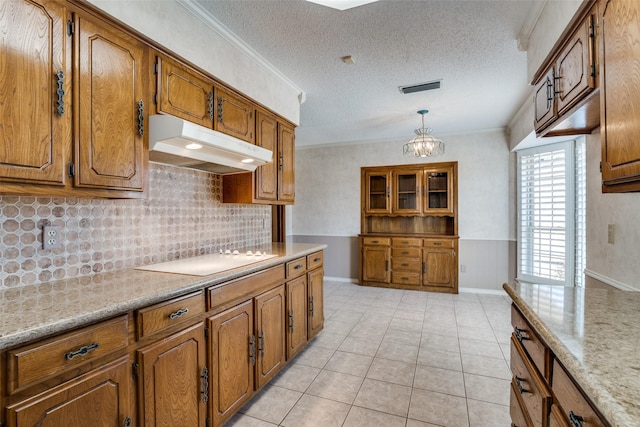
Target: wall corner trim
609 281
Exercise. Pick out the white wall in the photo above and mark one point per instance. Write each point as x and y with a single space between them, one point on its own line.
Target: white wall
618 262
328 192
174 27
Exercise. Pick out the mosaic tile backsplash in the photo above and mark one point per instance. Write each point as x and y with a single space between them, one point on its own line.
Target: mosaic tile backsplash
183 216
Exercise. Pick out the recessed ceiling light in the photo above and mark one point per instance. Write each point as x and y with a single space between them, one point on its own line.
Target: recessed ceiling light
342 4
247 161
193 146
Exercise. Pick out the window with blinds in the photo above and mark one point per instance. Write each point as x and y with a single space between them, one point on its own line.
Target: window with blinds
550 214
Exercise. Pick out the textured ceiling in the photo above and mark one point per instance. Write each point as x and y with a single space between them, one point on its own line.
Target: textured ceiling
470 45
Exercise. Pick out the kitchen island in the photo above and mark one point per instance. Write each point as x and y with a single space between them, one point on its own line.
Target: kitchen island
115 347
591 333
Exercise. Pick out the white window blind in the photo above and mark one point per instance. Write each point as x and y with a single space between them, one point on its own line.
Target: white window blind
545 217
580 211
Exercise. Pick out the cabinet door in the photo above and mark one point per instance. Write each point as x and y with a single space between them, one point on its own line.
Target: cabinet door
438 191
620 100
377 192
296 315
111 109
544 101
574 74
438 267
234 115
315 281
270 331
287 165
375 263
173 380
233 352
184 93
266 176
35 93
98 398
406 192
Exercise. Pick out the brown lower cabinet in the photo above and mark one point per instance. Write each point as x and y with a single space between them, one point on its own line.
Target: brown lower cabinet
543 393
191 360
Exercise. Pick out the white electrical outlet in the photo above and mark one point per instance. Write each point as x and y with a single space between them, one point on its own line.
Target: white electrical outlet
463 268
51 237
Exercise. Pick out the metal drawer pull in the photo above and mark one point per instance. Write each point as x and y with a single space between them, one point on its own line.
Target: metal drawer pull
405 264
437 243
519 385
298 267
81 351
576 420
178 313
405 252
518 333
317 259
375 241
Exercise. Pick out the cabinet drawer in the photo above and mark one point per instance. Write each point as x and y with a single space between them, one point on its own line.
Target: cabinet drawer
221 296
405 241
444 243
405 278
518 417
315 260
524 334
406 264
296 268
529 385
32 363
164 315
376 241
571 399
405 252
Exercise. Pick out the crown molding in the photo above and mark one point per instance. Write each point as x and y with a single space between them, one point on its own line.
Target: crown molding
529 24
212 22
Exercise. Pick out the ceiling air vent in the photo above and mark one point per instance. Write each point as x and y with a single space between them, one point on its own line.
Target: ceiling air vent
419 87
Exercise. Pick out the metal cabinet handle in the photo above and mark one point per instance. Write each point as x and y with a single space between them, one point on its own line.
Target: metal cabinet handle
311 308
519 385
210 105
252 350
82 351
437 243
178 313
60 93
141 118
576 420
261 343
298 267
317 259
221 110
291 329
205 385
518 333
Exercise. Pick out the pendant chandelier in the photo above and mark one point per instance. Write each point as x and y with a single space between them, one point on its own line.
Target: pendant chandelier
424 144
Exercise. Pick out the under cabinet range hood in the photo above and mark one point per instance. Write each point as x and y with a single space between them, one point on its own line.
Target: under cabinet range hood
178 142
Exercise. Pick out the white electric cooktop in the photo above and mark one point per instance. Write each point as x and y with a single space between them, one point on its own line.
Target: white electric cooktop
205 265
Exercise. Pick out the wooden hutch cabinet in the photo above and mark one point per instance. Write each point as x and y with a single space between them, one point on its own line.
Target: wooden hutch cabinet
409 227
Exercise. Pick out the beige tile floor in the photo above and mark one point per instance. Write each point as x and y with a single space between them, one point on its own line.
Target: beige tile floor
389 357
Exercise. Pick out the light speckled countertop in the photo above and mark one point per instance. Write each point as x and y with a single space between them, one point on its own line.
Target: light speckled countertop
31 312
594 334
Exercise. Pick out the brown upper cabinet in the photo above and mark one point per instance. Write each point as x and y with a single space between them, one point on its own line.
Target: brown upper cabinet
620 102
36 58
427 189
234 115
71 128
183 92
565 100
112 103
272 183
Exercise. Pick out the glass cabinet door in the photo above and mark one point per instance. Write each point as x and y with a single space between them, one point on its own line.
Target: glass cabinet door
438 196
407 192
378 192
